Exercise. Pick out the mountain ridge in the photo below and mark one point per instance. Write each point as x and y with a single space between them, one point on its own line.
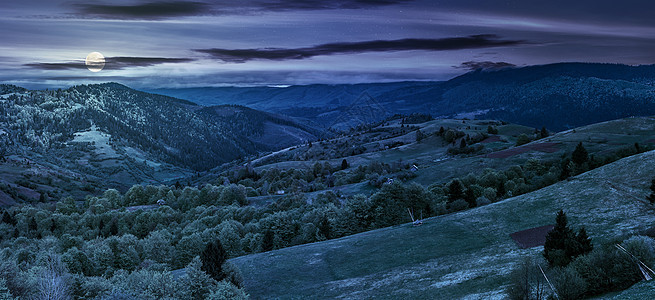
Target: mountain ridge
109 135
541 95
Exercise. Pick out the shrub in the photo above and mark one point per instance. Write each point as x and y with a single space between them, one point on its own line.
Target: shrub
526 282
522 139
569 284
482 201
459 204
224 290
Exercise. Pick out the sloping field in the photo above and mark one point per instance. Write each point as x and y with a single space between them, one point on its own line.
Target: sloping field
463 255
543 147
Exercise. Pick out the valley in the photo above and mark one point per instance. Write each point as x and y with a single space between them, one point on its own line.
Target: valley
128 186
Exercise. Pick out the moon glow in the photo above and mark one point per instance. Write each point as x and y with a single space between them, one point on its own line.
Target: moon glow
95 62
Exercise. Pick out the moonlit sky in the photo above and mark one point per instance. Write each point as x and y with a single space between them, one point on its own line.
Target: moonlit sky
156 44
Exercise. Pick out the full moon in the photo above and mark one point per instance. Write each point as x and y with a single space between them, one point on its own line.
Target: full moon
95 62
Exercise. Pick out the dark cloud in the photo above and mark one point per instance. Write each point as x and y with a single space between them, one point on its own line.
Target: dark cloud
470 42
151 10
111 63
168 9
474 65
284 5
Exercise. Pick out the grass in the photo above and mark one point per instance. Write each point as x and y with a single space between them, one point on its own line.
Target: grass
639 291
436 166
462 255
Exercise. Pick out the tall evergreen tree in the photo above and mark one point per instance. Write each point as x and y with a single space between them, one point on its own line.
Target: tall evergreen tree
455 190
584 240
324 227
213 258
267 241
344 164
565 170
544 132
469 196
563 245
556 241
580 155
500 192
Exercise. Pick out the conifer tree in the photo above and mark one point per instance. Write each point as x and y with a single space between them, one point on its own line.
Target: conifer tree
455 191
585 241
556 241
580 155
500 192
213 258
469 196
565 170
544 132
563 245
267 241
324 227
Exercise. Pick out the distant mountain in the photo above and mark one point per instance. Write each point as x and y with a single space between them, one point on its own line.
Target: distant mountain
558 96
329 106
160 129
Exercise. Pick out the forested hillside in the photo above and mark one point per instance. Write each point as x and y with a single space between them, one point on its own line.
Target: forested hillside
167 129
85 139
558 96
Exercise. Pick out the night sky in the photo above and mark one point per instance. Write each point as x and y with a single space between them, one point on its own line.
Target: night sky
154 44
